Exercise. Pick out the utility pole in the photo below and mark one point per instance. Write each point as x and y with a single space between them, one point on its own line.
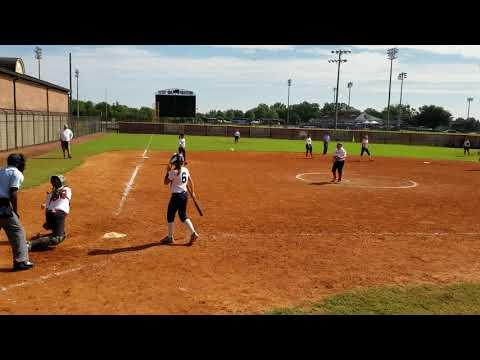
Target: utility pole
38 56
402 76
334 93
289 82
106 106
392 55
339 61
70 94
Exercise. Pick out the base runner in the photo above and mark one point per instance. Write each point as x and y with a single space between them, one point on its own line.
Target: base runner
181 146
365 147
178 178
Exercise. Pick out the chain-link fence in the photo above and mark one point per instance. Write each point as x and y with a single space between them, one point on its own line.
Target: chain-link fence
26 128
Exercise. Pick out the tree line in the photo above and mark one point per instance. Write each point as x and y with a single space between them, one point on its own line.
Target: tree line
427 116
115 111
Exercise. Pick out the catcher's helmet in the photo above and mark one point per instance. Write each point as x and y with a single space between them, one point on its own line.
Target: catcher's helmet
177 159
17 160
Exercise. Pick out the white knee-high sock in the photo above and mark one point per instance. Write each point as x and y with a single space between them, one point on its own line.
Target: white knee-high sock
170 229
188 224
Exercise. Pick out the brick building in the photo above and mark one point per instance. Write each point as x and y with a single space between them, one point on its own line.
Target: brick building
19 91
32 111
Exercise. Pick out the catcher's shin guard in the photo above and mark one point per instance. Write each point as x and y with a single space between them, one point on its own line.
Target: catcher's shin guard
44 242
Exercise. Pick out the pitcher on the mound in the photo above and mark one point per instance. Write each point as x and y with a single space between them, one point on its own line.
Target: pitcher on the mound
178 178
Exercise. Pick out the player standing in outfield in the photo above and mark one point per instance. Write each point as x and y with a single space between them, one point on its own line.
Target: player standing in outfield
57 207
66 135
236 135
365 147
466 147
181 146
178 178
308 146
326 139
11 178
338 162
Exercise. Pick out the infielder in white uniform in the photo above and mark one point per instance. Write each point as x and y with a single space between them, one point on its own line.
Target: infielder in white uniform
365 147
66 135
338 162
308 146
466 147
178 178
181 147
236 134
57 207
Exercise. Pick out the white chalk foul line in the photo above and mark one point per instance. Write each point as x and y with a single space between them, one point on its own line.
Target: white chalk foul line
412 183
130 183
43 278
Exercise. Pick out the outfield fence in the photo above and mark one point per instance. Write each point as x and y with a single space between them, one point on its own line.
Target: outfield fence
25 128
375 136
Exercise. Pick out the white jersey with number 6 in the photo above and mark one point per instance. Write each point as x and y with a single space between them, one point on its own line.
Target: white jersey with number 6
178 180
181 143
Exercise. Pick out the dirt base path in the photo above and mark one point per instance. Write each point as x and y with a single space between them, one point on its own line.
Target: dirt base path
275 233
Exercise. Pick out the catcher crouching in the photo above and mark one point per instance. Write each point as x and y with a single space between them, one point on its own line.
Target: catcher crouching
57 207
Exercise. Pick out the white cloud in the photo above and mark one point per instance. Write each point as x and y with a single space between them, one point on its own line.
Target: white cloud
257 47
133 74
468 51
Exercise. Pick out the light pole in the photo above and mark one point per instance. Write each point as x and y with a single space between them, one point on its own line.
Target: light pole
339 61
392 54
289 82
349 86
469 100
334 93
78 105
402 76
38 56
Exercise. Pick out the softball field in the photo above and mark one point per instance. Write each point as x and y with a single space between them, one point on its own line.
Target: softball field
275 233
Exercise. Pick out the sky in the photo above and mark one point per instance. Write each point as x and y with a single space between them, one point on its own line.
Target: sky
242 76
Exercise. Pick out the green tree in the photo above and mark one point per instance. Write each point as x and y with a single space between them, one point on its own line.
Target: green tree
373 112
432 116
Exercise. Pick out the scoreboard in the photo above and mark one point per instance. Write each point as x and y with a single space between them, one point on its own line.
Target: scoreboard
175 103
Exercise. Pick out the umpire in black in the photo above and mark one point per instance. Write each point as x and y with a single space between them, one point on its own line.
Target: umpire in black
11 178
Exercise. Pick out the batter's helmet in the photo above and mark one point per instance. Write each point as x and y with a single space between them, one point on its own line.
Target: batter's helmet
17 160
60 178
177 159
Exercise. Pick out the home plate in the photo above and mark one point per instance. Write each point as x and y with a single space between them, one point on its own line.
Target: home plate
113 235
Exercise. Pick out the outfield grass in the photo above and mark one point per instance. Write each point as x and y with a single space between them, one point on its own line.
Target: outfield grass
425 300
40 168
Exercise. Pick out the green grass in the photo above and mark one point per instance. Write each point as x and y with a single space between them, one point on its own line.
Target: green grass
418 300
39 169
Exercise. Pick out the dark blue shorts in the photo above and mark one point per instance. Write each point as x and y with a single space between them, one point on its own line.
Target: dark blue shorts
178 202
338 165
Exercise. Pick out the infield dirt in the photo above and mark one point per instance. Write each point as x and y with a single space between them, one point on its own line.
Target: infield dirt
267 239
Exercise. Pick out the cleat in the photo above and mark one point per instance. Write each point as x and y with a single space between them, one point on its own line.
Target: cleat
193 238
22 265
167 241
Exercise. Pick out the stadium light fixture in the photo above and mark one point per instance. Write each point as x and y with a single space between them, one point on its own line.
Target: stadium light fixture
289 83
402 76
338 61
38 56
392 55
77 73
469 100
349 86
